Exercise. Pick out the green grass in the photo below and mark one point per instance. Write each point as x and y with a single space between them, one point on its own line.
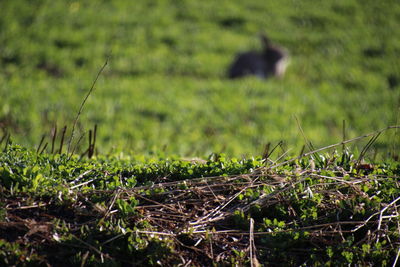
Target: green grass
165 89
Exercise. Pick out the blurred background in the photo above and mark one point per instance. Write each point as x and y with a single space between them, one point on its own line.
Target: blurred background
165 88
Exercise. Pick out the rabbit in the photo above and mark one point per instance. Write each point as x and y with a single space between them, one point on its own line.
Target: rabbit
270 62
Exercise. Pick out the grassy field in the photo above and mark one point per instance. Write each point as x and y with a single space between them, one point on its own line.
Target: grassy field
165 88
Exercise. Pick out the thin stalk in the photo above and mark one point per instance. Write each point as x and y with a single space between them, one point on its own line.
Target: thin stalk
83 103
62 139
53 138
40 143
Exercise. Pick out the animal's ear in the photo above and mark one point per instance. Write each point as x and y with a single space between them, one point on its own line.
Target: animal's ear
265 40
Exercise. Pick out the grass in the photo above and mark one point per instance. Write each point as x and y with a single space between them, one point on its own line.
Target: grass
165 88
146 84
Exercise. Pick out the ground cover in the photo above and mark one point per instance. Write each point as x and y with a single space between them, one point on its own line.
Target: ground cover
328 209
165 87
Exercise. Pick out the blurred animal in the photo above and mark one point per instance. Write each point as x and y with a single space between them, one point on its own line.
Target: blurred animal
271 61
